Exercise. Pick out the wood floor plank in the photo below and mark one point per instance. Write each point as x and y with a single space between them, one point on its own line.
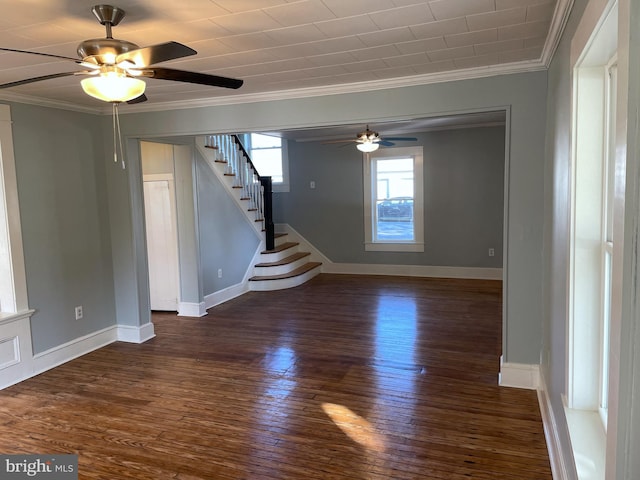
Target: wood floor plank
345 377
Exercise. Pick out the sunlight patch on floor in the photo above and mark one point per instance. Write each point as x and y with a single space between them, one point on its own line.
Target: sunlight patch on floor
355 427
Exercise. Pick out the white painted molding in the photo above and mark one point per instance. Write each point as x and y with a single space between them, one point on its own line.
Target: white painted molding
41 362
347 88
519 375
16 354
229 98
186 309
414 271
305 246
558 22
226 294
557 459
429 271
141 334
75 348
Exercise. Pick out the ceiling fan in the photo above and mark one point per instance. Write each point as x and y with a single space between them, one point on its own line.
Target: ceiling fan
114 68
369 141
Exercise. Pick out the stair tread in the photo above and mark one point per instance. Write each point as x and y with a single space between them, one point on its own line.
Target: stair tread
285 261
294 273
280 248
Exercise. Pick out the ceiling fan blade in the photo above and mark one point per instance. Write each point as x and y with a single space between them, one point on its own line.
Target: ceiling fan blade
192 77
402 139
39 79
143 57
61 57
340 141
140 99
386 143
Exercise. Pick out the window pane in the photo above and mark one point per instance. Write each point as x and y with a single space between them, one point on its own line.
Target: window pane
268 163
394 200
265 141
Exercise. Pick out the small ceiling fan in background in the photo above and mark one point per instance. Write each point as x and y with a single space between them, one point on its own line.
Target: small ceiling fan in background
369 141
114 68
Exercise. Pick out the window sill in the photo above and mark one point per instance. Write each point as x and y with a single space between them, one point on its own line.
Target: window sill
393 247
588 441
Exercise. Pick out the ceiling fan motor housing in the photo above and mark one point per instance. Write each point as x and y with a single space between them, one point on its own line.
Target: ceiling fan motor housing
104 50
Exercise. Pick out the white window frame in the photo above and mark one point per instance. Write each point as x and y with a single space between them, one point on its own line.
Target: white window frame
284 151
589 347
370 204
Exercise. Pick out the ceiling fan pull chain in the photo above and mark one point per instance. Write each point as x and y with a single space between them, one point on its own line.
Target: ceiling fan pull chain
117 117
115 143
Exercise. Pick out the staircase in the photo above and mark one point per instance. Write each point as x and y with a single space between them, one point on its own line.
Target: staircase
281 264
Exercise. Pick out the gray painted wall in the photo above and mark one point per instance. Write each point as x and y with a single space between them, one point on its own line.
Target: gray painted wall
227 241
65 227
523 94
463 197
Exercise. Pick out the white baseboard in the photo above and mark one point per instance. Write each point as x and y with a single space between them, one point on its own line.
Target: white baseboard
186 309
226 294
75 348
41 362
474 273
139 334
558 461
519 375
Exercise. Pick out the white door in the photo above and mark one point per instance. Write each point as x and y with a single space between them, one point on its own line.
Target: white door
162 244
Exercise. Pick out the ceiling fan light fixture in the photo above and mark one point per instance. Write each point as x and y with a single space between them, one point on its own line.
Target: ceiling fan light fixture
113 86
367 146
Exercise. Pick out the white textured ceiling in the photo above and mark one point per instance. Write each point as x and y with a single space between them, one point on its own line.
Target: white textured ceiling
280 45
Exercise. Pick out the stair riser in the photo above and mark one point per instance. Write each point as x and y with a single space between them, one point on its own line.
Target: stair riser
270 285
280 269
277 256
281 240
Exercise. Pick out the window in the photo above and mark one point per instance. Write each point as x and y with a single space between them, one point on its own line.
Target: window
269 155
595 229
393 200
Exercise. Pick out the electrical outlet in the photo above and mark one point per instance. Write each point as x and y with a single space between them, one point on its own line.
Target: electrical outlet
492 252
78 312
219 273
312 184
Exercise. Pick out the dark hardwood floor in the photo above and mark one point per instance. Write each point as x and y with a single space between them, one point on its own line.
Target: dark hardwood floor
345 377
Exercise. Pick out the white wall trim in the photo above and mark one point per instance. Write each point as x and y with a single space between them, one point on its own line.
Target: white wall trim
15 347
226 294
75 348
43 361
141 334
558 461
186 309
475 273
558 22
519 375
430 271
306 246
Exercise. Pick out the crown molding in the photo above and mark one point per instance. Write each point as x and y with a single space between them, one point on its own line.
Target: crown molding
558 22
46 102
347 88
